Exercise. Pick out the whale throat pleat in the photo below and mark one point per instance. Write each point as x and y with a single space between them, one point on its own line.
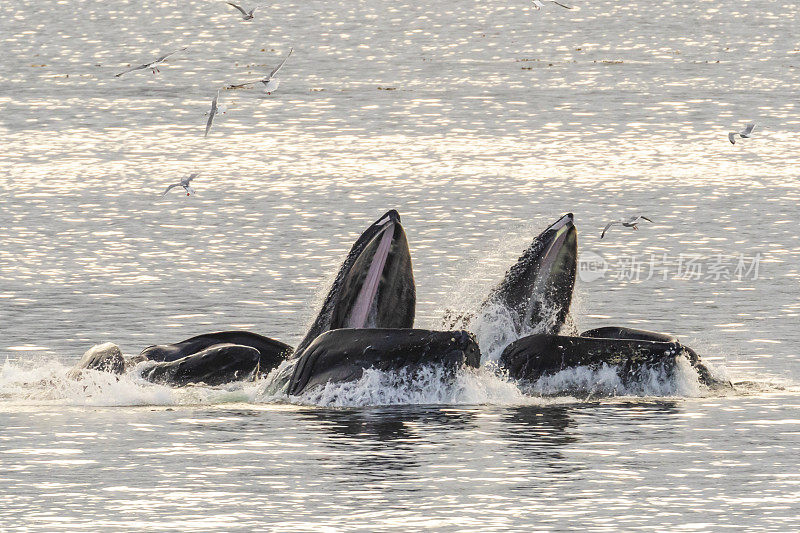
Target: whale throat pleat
542 284
366 296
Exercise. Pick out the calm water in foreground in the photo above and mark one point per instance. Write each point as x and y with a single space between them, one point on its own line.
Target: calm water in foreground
498 119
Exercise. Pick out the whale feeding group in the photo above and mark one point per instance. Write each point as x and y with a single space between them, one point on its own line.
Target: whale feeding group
367 322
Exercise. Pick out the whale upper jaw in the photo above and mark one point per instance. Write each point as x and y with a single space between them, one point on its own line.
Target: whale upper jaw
537 290
375 284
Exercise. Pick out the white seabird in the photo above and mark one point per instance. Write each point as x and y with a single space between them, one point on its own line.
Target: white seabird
153 65
744 134
246 15
538 4
270 82
632 222
183 183
215 109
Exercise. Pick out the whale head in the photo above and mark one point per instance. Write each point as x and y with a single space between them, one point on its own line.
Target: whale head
537 290
374 287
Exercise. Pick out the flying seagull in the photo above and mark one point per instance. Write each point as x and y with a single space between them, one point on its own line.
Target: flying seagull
153 65
183 183
744 134
270 82
632 222
246 15
213 112
538 4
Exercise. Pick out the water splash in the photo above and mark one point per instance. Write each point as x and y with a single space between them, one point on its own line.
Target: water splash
496 326
680 380
45 382
422 386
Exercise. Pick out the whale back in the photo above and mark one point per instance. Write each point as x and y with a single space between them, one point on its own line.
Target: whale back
271 352
219 364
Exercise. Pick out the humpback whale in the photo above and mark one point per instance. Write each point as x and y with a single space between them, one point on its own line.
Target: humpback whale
631 351
215 365
213 358
366 320
106 357
271 352
537 291
374 288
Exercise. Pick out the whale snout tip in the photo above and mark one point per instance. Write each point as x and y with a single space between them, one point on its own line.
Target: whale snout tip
566 221
391 216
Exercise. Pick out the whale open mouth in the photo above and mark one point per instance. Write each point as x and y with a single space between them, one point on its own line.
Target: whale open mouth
554 281
366 299
375 284
537 290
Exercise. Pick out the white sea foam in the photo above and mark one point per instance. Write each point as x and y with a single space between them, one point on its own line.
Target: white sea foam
495 327
434 385
46 382
682 380
426 385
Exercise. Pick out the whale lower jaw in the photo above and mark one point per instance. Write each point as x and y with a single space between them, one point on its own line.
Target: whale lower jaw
631 352
342 355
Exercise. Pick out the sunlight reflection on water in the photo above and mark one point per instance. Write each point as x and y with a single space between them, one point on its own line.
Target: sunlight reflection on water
481 123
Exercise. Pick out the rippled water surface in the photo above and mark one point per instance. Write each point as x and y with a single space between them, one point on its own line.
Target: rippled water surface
481 122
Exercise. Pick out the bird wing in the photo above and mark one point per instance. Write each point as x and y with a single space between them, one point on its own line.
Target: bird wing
211 114
192 176
170 188
276 69
537 4
606 229
732 137
560 4
647 219
140 67
243 84
162 58
239 8
748 129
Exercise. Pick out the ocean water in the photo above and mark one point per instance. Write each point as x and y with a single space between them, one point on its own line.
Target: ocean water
481 123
